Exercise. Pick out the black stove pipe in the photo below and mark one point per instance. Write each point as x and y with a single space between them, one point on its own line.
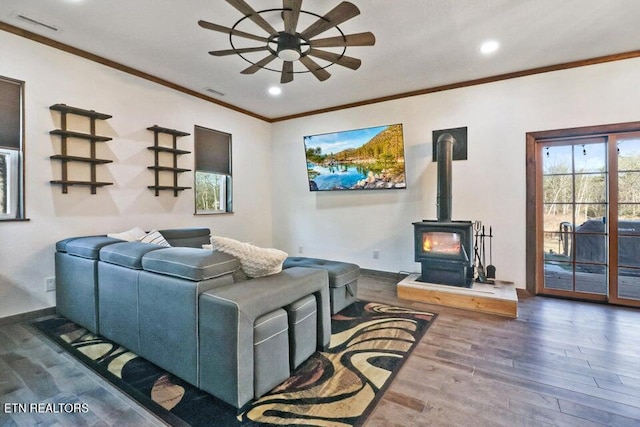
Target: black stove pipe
444 150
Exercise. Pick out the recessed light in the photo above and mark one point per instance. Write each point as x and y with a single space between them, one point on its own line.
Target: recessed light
489 46
275 90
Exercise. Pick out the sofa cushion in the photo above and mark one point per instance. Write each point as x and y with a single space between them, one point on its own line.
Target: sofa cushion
89 247
256 261
127 254
190 263
61 246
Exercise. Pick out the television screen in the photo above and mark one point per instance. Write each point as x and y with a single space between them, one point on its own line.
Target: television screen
361 159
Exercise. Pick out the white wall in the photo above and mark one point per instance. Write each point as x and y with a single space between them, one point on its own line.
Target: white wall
272 203
52 76
489 186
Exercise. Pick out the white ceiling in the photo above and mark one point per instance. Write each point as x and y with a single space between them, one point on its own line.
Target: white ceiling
419 43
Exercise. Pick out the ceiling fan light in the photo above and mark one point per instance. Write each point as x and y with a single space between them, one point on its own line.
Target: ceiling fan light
289 47
289 54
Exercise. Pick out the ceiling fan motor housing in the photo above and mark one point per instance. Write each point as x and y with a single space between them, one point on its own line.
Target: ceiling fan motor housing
288 46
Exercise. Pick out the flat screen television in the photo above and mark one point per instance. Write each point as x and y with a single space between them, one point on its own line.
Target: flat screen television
360 159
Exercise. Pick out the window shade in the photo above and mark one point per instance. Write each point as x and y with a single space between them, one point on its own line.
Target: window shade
9 114
212 151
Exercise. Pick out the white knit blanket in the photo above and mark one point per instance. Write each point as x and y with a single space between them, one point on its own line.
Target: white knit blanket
255 261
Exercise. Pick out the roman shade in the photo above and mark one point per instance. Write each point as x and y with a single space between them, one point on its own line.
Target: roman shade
213 151
10 114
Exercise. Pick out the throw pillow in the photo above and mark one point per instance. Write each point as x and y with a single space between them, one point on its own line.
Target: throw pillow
255 261
136 233
155 237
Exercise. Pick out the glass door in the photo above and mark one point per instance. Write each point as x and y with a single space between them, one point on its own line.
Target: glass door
587 216
574 218
626 262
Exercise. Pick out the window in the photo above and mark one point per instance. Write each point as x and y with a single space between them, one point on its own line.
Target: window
212 171
11 158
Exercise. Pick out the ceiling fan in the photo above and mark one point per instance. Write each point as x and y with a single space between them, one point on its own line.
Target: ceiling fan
290 45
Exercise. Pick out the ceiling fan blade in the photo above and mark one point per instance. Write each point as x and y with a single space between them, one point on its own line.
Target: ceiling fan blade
320 73
336 16
228 52
359 39
287 72
345 61
258 65
250 13
221 29
291 14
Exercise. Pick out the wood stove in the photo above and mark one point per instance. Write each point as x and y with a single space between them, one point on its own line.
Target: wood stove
445 251
442 246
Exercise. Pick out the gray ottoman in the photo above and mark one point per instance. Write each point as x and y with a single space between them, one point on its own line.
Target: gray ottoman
270 338
302 316
343 279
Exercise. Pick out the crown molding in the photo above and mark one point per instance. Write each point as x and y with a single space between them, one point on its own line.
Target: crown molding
475 82
507 76
126 69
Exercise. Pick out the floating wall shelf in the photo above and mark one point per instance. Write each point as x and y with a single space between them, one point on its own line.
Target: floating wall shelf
157 169
65 158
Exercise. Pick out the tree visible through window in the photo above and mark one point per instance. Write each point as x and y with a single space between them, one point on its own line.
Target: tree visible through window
11 160
210 188
212 171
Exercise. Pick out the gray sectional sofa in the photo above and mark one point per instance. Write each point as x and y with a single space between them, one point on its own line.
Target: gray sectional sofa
193 312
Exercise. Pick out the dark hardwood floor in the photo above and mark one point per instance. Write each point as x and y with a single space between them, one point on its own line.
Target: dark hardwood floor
34 370
560 363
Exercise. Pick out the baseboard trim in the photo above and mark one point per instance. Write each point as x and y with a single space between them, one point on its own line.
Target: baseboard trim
30 315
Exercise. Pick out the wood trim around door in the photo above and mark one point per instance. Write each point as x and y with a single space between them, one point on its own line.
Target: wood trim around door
612 185
532 244
531 254
613 222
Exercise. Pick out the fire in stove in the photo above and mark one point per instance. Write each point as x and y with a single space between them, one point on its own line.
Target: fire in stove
441 243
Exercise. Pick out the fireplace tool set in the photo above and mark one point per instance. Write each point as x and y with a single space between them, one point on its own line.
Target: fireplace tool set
486 273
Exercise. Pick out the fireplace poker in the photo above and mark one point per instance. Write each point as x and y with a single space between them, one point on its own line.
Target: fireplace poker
491 269
484 253
481 276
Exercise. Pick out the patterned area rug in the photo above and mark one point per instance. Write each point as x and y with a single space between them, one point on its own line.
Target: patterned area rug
339 387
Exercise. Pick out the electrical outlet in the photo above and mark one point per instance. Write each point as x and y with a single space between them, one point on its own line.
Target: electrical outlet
50 284
376 254
300 249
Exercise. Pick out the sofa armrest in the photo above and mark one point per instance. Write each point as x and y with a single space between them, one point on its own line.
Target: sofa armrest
187 237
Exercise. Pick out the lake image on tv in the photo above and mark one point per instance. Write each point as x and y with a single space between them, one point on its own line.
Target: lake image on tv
363 159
